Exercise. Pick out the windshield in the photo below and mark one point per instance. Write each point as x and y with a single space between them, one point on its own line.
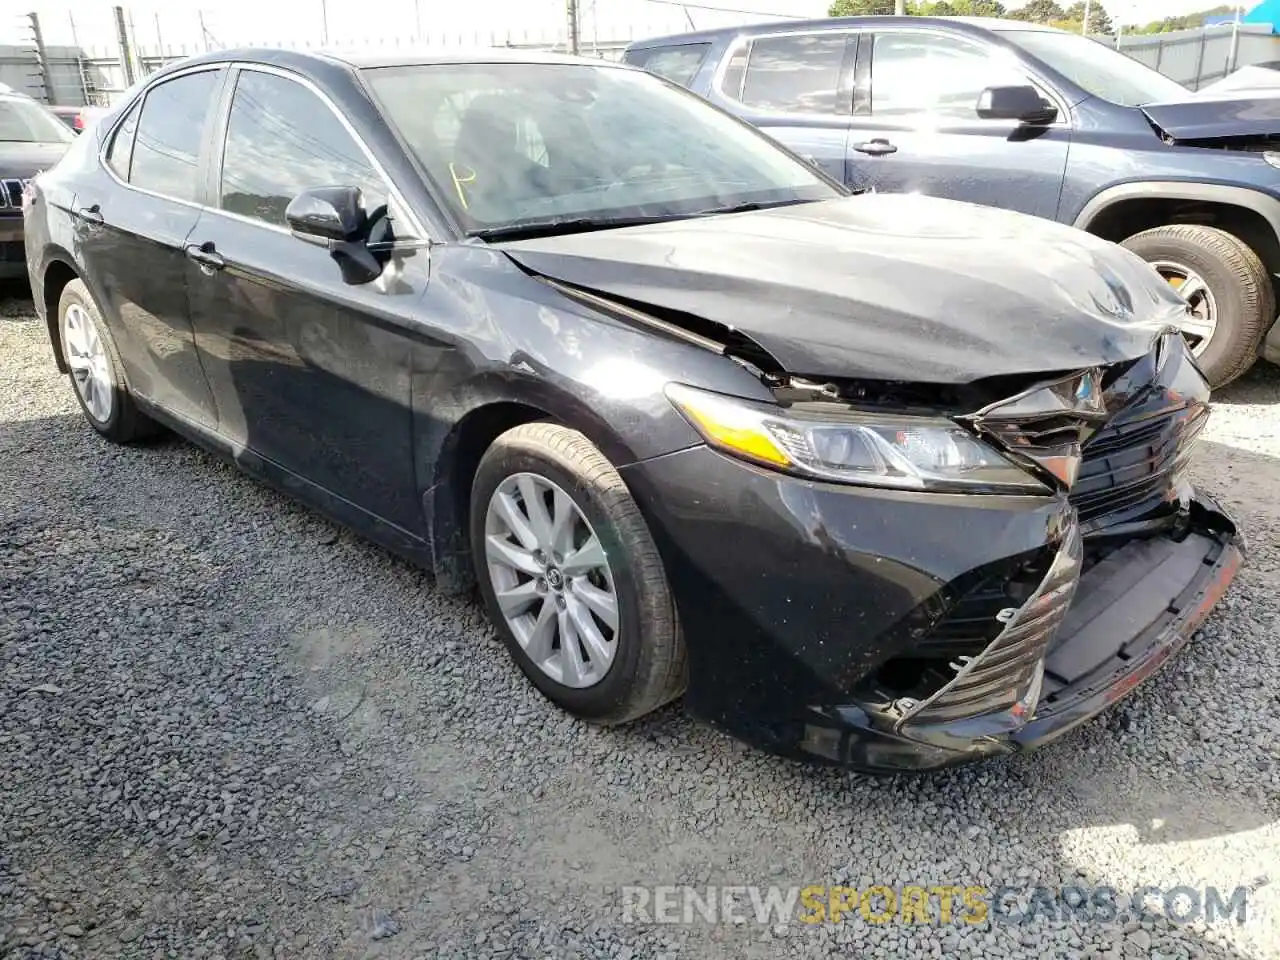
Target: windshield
1098 69
25 121
517 144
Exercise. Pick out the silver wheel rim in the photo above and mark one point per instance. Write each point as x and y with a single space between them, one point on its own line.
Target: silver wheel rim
1201 324
552 580
87 358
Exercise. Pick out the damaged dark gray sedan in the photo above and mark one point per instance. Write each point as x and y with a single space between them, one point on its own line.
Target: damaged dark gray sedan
890 482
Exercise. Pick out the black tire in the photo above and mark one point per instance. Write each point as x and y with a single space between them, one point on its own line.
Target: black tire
1238 280
126 422
648 668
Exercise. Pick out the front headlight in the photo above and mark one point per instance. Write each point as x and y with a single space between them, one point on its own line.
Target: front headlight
883 450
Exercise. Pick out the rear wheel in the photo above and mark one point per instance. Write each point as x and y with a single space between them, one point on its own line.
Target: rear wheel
1227 287
96 372
571 577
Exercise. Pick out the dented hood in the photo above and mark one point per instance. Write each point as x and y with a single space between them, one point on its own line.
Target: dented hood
881 286
1221 117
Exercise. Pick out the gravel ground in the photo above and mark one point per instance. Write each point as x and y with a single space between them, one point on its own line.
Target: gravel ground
228 729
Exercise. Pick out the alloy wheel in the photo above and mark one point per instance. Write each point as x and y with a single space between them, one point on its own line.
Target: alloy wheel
87 357
1201 323
552 580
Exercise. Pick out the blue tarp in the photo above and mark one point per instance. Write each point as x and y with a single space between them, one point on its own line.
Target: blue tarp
1268 12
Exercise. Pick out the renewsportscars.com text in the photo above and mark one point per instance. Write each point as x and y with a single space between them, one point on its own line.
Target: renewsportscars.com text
936 904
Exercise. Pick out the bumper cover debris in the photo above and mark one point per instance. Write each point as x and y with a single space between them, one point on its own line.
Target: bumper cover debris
1129 614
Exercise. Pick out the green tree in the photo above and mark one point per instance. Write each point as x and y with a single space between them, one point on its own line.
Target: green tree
860 8
1100 20
1039 11
918 8
1189 22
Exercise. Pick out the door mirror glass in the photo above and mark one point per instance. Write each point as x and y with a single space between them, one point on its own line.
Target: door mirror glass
328 214
335 217
1021 103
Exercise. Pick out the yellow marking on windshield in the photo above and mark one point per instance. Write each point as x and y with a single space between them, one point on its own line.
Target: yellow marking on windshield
459 180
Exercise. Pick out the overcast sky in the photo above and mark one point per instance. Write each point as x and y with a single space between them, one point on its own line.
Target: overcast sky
177 22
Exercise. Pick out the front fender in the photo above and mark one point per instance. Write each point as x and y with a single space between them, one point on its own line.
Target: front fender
453 436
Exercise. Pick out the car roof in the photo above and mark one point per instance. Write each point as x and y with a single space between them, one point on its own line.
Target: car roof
965 24
399 57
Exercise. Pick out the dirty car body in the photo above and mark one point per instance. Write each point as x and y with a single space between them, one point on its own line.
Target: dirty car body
915 469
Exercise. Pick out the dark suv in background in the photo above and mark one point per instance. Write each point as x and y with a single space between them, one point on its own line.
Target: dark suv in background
1033 119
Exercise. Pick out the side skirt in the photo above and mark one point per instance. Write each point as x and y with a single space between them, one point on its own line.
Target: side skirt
403 543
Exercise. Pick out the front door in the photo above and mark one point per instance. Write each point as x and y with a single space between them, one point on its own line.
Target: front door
132 221
921 132
308 372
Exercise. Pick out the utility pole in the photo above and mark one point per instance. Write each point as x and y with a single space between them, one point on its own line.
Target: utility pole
1084 27
42 58
324 19
126 49
571 10
900 8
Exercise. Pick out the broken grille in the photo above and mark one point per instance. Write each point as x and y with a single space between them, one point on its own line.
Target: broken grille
1006 676
1131 465
11 194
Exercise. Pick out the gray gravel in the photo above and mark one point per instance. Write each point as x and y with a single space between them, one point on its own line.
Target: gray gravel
229 730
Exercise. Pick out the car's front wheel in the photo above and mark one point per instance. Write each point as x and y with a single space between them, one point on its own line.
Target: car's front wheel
571 577
1227 287
96 371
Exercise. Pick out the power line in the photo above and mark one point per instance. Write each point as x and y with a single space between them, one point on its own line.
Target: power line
753 13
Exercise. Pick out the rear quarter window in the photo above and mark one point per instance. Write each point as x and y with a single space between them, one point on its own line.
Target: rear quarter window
679 64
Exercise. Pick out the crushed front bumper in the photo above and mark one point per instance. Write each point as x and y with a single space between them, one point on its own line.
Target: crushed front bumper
1130 613
794 596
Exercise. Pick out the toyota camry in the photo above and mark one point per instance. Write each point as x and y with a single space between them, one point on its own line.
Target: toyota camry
885 481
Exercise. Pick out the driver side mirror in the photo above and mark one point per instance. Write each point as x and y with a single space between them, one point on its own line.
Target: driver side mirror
335 218
1023 104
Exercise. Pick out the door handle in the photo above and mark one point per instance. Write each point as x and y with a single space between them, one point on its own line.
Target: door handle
91 215
876 148
206 256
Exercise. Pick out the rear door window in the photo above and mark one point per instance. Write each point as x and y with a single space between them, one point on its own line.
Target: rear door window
799 73
678 64
166 149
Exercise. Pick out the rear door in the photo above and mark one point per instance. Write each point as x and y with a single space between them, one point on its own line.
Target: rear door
918 129
132 222
796 87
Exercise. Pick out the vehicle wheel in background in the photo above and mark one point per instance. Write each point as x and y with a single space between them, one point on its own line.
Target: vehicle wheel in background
96 371
571 577
1228 287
